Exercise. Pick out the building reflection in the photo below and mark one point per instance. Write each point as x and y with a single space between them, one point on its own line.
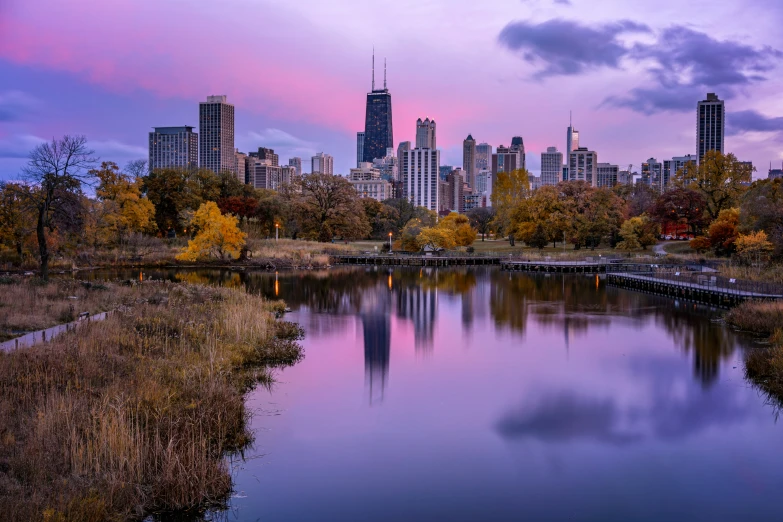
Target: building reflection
375 315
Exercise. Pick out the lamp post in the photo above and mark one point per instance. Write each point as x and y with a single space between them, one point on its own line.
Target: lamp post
390 243
277 231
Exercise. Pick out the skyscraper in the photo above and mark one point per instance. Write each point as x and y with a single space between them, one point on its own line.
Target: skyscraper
572 143
240 166
360 148
419 169
297 164
583 166
378 135
266 154
607 175
710 125
216 134
551 166
483 156
506 159
173 147
469 160
322 163
652 174
517 144
425 134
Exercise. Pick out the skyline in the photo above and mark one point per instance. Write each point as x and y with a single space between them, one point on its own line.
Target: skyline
518 70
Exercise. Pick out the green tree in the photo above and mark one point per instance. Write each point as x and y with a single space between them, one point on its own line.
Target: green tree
720 178
175 192
638 232
382 218
481 219
539 238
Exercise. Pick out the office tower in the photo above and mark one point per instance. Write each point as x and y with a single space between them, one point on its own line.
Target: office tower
483 156
364 172
173 147
425 134
652 174
607 175
551 166
455 193
443 197
482 178
710 125
262 174
267 154
360 148
518 145
774 173
535 182
216 134
388 166
444 170
297 164
322 163
583 166
625 177
402 148
673 166
240 165
369 183
378 135
572 143
506 160
469 160
419 169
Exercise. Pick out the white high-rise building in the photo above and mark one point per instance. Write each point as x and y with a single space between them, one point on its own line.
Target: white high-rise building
425 134
583 166
710 125
419 172
359 148
322 163
483 156
216 135
673 166
572 143
652 174
551 166
240 165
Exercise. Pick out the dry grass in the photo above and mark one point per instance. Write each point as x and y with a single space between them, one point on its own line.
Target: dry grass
133 415
761 318
768 274
28 304
290 253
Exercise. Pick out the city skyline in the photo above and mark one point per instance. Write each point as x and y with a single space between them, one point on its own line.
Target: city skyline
116 93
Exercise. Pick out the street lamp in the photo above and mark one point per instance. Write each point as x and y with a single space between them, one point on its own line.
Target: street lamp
277 231
390 243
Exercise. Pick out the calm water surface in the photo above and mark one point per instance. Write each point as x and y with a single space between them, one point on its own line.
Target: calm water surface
466 395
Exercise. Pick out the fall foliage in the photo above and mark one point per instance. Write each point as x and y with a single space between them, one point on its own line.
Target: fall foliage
217 235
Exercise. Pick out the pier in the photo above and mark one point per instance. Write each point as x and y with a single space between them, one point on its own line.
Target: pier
415 260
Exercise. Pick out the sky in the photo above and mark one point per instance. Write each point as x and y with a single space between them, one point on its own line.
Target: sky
298 71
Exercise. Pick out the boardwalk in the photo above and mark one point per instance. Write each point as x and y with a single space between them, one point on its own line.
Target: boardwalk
415 260
696 287
584 267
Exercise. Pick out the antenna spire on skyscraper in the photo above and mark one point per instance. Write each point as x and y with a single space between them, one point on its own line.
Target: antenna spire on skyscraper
373 67
384 73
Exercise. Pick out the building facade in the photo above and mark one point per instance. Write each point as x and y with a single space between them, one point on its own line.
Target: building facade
506 160
469 160
425 134
607 175
455 194
419 171
583 166
377 189
359 148
710 125
322 163
216 134
296 163
483 156
364 172
551 166
240 165
266 154
378 132
388 166
173 147
652 174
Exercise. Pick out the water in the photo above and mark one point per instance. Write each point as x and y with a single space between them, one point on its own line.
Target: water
476 394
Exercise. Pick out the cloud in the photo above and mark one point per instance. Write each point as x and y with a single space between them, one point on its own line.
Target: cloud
14 105
283 143
19 146
569 48
738 122
563 2
116 151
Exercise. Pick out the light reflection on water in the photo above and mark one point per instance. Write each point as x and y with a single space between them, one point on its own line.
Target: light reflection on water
477 394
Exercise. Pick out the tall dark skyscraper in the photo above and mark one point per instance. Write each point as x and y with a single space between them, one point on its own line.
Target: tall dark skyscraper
378 120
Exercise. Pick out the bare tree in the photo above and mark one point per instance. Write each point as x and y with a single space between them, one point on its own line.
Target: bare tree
137 168
54 176
481 218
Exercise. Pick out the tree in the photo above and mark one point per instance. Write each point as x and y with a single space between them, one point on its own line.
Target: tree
331 207
539 238
217 235
762 209
700 244
410 233
751 247
719 178
459 227
638 232
53 177
600 217
481 219
124 210
723 231
680 206
174 191
382 218
407 211
18 222
436 237
508 191
241 206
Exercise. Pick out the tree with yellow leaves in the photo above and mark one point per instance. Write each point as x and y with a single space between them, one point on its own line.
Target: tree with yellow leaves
459 226
124 210
751 247
509 189
217 236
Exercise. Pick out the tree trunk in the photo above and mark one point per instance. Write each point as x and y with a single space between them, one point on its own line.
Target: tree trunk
482 236
43 248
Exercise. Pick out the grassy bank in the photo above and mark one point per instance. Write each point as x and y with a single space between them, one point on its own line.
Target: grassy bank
764 365
133 415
